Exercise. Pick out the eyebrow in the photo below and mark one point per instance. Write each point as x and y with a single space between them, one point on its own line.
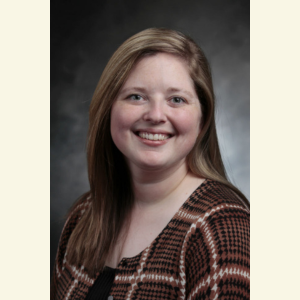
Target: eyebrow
171 89
143 90
138 89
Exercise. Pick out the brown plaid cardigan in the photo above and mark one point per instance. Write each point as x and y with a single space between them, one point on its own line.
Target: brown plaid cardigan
203 253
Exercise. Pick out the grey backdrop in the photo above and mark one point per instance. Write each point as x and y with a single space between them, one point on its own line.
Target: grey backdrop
83 37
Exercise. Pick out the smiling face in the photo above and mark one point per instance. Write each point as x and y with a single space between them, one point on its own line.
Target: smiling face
155 119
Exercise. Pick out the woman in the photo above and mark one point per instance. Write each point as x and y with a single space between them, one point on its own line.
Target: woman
160 221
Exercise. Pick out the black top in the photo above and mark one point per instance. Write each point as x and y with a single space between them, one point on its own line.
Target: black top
102 285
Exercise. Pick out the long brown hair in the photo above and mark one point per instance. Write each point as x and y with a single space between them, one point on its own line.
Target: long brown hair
110 180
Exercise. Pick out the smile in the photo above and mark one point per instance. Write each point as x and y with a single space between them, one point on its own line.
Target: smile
153 136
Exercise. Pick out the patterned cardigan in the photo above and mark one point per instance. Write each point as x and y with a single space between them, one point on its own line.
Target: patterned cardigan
203 253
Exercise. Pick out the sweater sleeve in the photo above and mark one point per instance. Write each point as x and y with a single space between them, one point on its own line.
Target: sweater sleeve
217 259
73 218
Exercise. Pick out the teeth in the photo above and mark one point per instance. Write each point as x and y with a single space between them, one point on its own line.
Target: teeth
153 137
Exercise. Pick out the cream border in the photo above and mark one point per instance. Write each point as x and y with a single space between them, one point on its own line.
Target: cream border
25 149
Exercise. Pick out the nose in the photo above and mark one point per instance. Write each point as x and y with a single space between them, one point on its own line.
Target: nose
155 112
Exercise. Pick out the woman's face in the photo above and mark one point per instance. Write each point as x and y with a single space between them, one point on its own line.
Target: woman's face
156 117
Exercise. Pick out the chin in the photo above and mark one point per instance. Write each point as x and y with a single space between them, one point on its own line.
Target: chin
151 164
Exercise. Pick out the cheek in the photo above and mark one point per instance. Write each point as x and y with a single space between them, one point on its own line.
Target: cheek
120 122
189 123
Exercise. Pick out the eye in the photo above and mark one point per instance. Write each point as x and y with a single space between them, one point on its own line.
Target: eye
135 97
178 100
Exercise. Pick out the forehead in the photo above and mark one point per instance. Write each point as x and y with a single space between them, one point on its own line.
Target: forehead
161 69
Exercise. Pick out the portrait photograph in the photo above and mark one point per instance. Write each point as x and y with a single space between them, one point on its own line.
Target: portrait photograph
125 166
150 129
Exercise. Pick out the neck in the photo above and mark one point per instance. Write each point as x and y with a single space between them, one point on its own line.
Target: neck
152 187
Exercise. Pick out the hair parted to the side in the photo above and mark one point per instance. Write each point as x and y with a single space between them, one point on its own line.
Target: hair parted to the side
110 180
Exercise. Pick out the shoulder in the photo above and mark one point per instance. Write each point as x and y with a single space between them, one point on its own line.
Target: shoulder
218 212
217 245
215 208
77 210
211 194
75 214
212 201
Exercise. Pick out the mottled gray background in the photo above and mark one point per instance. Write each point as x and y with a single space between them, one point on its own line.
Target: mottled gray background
83 37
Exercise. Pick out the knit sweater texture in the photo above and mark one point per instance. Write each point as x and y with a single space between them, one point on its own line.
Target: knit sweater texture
203 253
